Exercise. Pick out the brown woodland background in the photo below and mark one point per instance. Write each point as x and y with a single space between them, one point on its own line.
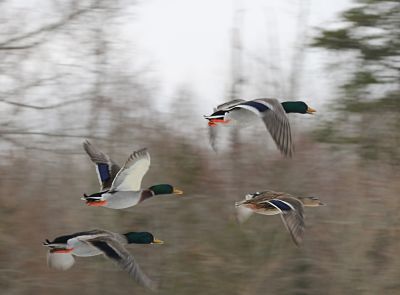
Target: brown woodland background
69 77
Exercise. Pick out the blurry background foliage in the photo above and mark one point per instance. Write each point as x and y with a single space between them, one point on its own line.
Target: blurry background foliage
368 105
67 72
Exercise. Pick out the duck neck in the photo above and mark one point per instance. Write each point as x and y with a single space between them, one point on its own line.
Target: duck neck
146 194
303 200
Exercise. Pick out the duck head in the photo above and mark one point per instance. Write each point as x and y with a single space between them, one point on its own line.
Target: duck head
141 238
311 201
165 189
299 107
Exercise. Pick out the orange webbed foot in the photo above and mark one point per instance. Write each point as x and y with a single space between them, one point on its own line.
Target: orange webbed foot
62 251
96 203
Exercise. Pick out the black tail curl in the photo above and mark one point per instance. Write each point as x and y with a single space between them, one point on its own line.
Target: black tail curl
46 242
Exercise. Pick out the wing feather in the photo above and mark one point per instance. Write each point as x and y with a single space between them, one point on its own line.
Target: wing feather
293 219
277 123
129 178
115 251
212 136
106 169
58 261
229 104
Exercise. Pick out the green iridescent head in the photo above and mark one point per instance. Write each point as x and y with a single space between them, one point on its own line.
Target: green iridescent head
141 238
297 107
164 189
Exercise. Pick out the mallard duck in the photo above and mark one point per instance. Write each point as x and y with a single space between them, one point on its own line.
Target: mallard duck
121 187
96 242
239 112
289 207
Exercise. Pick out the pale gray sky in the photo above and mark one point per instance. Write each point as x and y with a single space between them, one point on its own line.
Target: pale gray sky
188 42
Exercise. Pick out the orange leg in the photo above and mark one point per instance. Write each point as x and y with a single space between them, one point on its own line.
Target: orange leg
214 122
96 203
62 251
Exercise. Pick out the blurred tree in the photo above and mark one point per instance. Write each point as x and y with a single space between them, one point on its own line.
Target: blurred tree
369 101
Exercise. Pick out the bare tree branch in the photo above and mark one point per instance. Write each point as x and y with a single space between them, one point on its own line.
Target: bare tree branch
20 47
38 82
48 28
48 134
53 106
35 83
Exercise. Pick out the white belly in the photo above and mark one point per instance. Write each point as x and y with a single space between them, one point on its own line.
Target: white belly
121 200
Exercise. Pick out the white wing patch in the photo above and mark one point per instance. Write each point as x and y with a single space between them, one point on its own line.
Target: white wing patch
243 213
129 178
249 108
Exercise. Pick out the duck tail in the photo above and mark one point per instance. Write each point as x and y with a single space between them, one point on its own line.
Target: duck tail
52 245
46 243
92 198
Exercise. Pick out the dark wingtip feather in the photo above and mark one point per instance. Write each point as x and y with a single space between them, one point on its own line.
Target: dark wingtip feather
85 143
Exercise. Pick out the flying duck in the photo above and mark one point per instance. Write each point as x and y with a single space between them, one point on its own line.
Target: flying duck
290 209
239 112
121 187
96 242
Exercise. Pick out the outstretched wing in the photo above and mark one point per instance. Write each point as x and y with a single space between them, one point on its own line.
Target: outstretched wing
277 123
106 169
243 213
275 119
219 113
292 216
129 178
114 250
229 104
212 136
60 261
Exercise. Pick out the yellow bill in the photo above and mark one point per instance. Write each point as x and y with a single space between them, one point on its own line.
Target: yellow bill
177 192
310 110
157 241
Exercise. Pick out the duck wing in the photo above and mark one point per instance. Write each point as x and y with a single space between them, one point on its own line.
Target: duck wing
106 169
243 213
229 104
60 261
292 216
212 136
275 119
219 112
116 252
261 197
129 178
277 123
